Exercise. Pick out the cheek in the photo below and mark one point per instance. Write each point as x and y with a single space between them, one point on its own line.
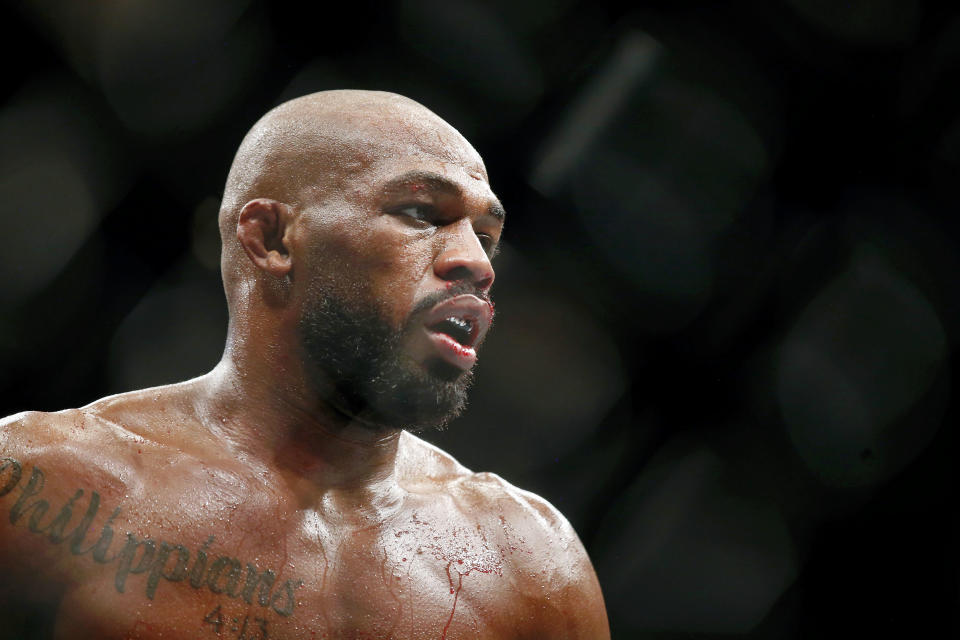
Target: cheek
377 264
397 266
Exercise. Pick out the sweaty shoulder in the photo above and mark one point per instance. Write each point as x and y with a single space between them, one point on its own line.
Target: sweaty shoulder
547 563
52 465
72 445
103 444
426 467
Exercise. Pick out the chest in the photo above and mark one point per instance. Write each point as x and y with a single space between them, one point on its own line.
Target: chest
419 577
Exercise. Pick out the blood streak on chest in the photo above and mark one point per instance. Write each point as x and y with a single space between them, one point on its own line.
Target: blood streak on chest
463 550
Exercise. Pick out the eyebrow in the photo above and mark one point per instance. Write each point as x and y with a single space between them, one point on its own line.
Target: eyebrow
497 211
439 183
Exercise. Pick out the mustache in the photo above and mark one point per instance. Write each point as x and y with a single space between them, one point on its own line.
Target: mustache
456 289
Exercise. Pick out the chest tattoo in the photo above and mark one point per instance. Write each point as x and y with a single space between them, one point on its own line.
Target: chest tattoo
158 560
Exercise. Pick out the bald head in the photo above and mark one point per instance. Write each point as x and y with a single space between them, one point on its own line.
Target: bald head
309 144
304 151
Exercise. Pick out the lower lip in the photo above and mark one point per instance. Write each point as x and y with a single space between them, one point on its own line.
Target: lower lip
452 351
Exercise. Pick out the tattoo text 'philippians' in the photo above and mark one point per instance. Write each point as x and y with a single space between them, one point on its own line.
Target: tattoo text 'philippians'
157 559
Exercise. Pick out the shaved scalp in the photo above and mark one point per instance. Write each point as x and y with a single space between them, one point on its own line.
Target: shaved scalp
303 151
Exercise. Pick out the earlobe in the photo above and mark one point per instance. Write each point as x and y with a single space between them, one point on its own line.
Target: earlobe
261 230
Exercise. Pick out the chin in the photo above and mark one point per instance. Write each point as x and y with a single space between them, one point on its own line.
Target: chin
443 371
416 401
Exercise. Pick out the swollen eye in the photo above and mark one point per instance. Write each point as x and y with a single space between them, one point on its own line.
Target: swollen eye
415 212
487 242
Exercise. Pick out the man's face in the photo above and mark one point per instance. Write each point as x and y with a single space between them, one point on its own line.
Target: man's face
396 299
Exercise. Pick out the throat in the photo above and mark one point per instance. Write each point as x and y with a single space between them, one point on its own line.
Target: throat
335 460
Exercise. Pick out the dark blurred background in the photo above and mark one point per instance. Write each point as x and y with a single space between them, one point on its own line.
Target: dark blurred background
727 306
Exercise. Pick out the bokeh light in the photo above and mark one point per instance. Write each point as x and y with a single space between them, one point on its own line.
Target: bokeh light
58 175
684 554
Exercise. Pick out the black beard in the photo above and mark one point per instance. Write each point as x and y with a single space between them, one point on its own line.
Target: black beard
357 363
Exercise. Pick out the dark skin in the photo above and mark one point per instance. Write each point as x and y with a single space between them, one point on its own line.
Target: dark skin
246 503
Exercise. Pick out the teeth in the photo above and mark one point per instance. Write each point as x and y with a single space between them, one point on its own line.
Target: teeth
459 329
460 322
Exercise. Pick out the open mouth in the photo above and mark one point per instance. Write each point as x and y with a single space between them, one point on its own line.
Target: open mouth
456 326
463 330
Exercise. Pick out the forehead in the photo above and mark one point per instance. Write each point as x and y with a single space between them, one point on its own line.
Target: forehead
412 146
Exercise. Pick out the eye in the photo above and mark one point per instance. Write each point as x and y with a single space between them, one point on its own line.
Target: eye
488 243
416 212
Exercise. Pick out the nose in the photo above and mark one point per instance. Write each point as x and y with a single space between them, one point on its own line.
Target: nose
463 259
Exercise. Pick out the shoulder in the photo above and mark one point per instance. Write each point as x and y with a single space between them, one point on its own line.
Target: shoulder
40 432
548 563
28 425
551 569
110 420
48 463
68 444
100 442
484 494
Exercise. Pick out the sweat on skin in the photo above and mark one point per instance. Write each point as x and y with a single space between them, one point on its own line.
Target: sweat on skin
358 230
158 560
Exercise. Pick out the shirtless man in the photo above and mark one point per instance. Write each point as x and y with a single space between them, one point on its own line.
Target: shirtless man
282 494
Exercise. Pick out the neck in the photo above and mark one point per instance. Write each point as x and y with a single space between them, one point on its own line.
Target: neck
274 422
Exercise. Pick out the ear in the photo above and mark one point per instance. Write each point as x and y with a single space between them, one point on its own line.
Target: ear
261 230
